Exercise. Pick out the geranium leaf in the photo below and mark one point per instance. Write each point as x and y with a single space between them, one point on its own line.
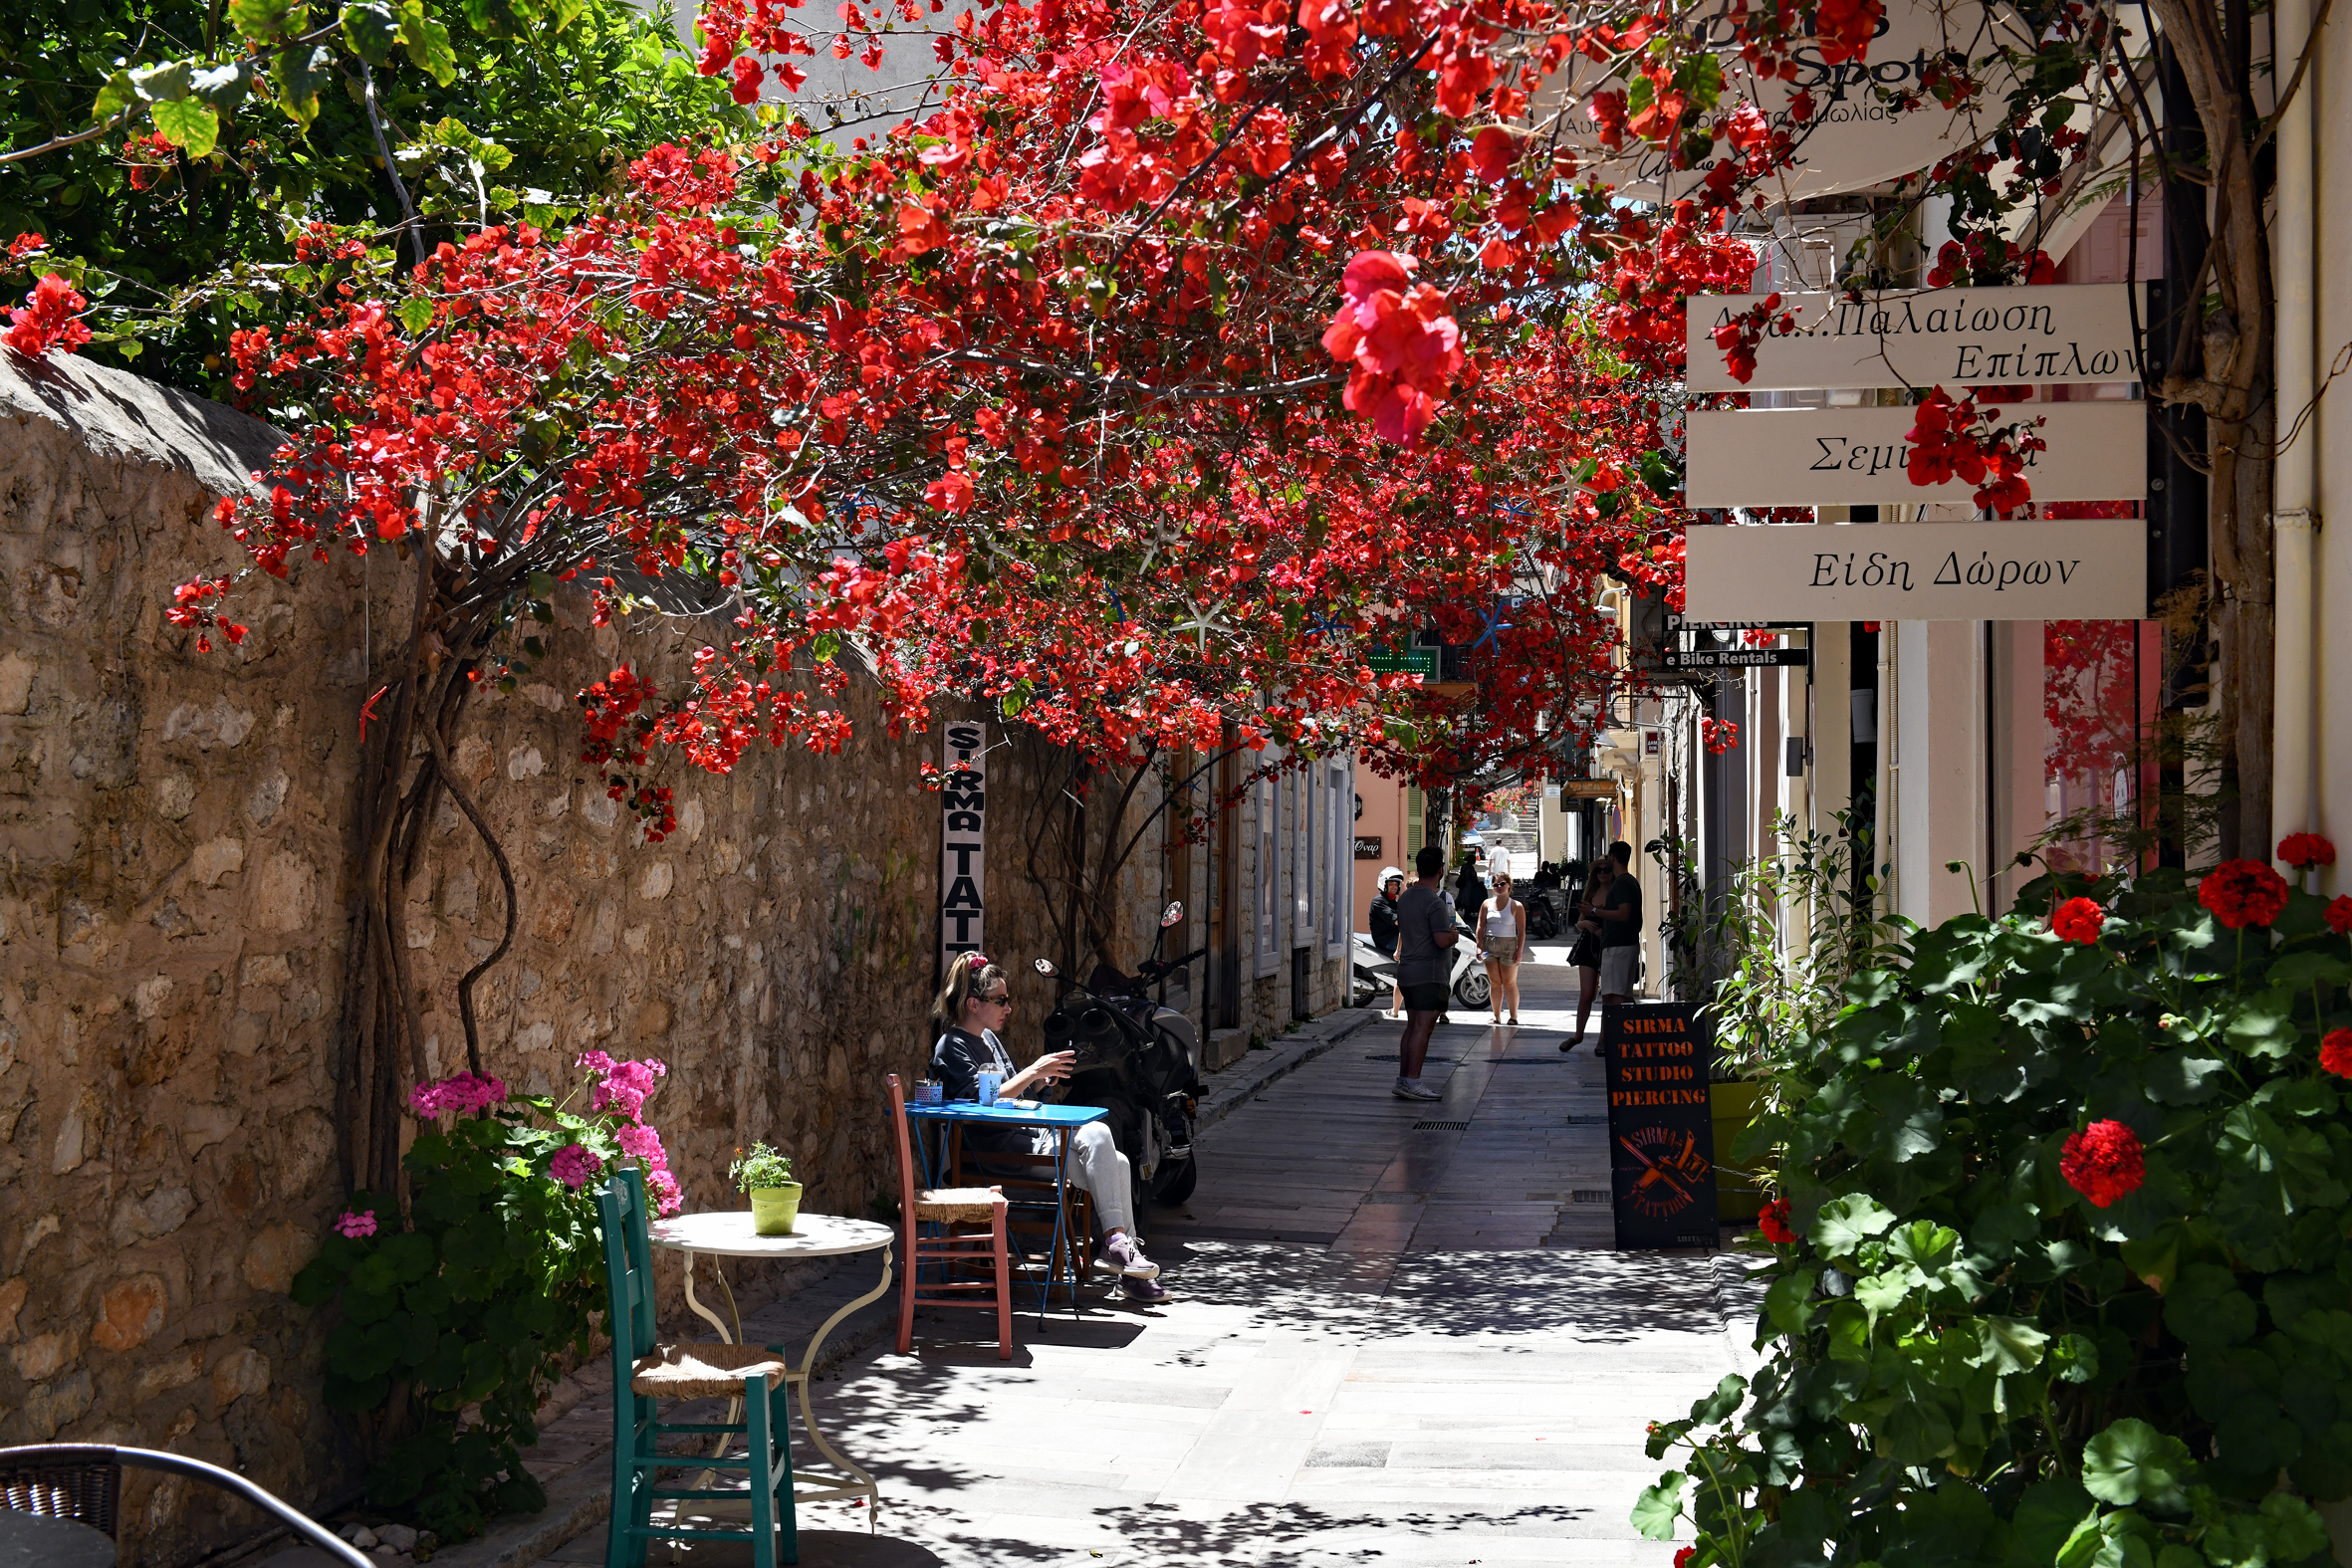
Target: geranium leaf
1844 1223
2132 1463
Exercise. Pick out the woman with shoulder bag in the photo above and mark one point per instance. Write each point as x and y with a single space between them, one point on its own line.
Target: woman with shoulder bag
1586 955
1503 940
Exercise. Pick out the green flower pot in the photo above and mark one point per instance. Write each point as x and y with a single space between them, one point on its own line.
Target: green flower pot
775 1209
1731 1106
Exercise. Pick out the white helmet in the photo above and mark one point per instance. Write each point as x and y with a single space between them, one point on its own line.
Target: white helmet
1388 872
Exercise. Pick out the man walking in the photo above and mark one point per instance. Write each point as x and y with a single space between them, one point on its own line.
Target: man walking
1425 932
1620 928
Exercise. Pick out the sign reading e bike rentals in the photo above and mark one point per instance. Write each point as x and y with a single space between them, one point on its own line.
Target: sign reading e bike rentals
1813 457
1660 1135
963 839
2080 569
2038 336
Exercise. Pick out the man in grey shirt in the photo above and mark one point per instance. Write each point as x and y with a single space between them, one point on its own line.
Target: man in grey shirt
1425 936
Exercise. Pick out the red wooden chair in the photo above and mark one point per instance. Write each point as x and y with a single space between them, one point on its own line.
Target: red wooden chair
946 1207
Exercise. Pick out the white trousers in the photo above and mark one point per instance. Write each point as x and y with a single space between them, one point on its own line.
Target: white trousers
1096 1165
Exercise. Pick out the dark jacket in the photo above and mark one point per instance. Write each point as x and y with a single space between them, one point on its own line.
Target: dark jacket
1469 894
1384 924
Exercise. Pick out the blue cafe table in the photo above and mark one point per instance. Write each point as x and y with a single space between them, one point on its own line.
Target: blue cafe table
1060 1119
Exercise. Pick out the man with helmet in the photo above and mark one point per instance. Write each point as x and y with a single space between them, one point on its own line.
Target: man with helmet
1384 927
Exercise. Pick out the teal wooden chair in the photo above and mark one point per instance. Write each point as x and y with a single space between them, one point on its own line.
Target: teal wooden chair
644 1373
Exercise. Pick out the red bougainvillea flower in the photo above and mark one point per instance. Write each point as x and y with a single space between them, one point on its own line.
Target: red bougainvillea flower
2335 1053
49 319
2078 920
1774 1222
1403 345
2103 1163
2306 850
2339 914
2243 893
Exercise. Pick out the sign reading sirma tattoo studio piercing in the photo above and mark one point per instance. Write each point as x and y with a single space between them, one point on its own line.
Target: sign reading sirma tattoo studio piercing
1661 1130
1817 457
963 839
1922 337
2074 568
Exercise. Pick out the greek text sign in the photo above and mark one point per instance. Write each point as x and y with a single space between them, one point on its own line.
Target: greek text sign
1952 338
1812 457
1661 1130
1851 138
963 839
2083 569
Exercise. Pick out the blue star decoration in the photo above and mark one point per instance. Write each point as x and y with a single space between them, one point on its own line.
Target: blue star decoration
1494 626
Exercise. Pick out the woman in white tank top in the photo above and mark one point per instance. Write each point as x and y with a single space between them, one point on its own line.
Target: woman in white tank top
1503 938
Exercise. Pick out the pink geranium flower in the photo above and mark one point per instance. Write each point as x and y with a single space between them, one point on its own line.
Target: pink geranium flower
573 1166
359 1227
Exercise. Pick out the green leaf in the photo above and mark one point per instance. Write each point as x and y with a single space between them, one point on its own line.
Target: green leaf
223 86
1787 1302
269 22
373 28
2131 1462
2048 1515
415 313
299 73
2268 1030
112 99
2205 1308
427 42
189 126
2287 1530
1717 1406
1844 1223
2075 1358
1658 1507
165 84
2008 1345
2179 1077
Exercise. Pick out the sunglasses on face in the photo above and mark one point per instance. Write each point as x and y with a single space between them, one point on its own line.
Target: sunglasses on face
1001 998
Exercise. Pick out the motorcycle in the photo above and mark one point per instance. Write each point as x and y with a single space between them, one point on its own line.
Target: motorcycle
1138 1061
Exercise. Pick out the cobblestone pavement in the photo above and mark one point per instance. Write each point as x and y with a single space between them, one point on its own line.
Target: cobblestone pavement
1390 1343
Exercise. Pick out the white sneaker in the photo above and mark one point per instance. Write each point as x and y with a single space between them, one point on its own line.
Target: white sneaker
1414 1091
1122 1252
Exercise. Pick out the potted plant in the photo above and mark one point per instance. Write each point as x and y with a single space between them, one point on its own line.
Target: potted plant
767 1178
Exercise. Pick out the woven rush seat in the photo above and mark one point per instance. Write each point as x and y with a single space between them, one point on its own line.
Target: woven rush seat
703 1371
976 1204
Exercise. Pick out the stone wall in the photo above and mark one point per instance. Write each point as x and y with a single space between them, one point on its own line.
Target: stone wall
174 915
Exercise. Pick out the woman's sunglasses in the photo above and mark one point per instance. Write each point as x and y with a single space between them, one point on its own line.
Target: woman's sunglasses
1003 998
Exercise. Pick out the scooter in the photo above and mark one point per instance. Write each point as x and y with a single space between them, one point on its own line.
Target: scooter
1372 974
1137 1059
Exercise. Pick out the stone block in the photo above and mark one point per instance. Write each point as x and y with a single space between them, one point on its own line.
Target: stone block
130 1314
1225 1047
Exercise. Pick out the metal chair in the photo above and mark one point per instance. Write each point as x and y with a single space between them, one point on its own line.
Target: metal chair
644 1372
946 1207
82 1481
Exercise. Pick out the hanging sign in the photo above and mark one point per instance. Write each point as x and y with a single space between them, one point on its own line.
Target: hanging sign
2081 568
1586 790
1661 1133
1921 337
963 840
1851 138
1812 457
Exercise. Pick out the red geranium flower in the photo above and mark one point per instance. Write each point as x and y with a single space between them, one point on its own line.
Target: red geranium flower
1682 1559
2335 1053
2339 913
2243 893
2102 1162
2078 920
1773 1222
2304 850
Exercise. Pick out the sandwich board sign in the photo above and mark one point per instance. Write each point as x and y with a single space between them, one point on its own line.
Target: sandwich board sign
1661 1131
2036 336
1813 457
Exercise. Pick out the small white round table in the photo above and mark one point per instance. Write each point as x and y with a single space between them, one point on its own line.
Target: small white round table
729 1234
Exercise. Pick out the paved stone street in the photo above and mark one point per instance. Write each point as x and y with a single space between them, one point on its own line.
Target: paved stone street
1395 1338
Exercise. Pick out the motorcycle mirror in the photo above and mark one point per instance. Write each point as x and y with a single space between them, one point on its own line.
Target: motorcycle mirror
1046 967
1172 915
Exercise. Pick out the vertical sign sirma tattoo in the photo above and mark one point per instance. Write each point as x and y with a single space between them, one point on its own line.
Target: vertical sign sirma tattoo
963 837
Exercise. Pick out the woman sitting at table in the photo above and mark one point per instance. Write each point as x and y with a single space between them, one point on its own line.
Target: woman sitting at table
972 1006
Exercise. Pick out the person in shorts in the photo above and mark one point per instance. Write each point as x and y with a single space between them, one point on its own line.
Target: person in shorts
1620 928
1426 935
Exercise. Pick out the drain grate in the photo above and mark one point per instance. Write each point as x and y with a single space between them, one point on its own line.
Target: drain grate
1589 1195
1441 1126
